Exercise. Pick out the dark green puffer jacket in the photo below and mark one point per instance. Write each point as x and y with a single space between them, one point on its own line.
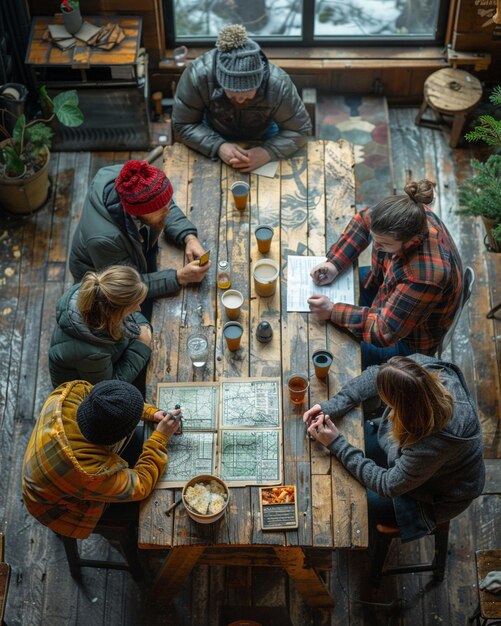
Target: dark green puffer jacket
78 352
106 235
277 100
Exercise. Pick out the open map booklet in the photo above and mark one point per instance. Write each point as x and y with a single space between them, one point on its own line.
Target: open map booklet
232 429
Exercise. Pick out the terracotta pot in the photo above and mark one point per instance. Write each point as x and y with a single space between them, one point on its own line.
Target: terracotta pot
26 194
492 244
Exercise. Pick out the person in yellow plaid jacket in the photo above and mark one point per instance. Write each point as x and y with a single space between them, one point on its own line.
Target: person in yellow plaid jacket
73 465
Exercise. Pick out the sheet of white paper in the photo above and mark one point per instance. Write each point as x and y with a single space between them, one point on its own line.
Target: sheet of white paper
300 285
268 169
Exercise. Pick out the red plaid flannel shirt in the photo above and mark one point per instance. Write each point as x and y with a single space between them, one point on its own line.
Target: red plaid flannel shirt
419 287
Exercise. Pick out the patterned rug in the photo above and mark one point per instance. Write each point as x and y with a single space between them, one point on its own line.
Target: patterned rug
363 121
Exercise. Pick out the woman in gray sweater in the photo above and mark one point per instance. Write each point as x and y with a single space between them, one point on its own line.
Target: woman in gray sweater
423 463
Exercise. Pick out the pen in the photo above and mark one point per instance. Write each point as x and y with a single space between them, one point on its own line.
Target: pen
321 275
180 416
172 507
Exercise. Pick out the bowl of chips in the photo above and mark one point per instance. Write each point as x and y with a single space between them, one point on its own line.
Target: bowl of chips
205 498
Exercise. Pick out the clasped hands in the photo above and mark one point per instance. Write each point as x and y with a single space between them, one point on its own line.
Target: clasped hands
241 159
492 582
320 426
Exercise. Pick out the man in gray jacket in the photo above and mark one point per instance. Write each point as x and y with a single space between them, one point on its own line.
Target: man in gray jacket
233 93
125 211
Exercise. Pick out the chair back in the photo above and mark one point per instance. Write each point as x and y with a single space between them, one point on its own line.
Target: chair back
468 280
4 580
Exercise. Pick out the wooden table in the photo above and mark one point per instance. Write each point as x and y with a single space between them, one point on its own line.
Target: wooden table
308 203
44 54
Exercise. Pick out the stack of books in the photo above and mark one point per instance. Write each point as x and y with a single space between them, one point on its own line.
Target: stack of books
61 38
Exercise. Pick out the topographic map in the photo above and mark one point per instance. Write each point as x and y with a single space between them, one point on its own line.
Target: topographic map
232 429
250 456
198 404
253 404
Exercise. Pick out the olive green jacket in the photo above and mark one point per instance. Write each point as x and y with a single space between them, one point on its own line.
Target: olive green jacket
106 235
78 352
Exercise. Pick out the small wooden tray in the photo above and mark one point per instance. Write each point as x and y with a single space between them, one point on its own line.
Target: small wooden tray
278 506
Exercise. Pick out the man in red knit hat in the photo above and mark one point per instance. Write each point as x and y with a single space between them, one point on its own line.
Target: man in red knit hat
125 211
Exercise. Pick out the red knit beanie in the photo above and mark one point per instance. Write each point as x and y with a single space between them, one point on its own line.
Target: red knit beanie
142 188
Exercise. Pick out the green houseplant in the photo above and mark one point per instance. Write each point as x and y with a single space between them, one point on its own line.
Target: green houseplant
481 195
25 152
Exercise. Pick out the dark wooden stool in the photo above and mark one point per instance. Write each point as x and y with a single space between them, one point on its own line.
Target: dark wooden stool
121 532
384 537
450 92
4 580
489 607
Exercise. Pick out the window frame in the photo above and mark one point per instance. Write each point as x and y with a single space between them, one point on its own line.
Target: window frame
307 38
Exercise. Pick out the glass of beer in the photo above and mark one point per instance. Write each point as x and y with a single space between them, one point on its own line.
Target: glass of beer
265 274
264 235
233 332
232 301
298 386
240 191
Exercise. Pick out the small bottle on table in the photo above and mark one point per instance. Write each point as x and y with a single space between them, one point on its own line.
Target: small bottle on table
223 275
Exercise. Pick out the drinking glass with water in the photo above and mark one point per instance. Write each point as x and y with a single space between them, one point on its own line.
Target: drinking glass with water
198 349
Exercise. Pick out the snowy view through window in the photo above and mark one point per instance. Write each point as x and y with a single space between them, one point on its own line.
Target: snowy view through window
283 18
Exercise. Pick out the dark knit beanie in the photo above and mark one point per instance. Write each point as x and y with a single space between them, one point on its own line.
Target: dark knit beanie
239 65
142 188
110 412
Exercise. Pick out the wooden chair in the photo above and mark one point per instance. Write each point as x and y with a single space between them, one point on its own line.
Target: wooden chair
385 535
491 315
489 607
121 531
468 281
4 580
309 97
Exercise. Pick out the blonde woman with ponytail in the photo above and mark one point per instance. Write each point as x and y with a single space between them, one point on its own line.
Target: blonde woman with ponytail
422 463
411 291
100 332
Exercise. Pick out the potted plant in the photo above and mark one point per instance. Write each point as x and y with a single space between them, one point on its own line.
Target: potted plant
24 152
481 195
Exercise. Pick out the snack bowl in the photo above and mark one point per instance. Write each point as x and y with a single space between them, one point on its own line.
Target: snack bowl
205 492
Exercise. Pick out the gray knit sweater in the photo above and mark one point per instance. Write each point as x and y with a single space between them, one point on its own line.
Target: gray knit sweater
444 471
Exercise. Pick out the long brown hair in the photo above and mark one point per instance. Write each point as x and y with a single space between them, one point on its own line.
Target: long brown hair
420 403
403 217
105 297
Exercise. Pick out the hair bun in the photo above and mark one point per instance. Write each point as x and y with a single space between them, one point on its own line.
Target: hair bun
231 37
421 192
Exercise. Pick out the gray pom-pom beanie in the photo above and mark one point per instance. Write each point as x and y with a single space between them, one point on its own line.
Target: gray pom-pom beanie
239 65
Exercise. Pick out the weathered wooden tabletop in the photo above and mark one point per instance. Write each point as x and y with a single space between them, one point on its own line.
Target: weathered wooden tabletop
44 54
308 203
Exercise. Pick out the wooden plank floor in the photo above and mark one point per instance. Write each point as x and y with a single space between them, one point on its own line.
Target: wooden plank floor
33 274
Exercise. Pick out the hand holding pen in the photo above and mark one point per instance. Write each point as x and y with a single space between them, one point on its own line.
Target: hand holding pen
324 273
168 422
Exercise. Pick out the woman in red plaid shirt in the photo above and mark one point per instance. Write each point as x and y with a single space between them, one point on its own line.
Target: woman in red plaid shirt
409 295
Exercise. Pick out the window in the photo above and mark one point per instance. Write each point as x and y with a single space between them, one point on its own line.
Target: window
310 22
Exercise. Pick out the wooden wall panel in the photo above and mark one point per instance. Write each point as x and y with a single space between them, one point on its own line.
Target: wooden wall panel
474 31
403 85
